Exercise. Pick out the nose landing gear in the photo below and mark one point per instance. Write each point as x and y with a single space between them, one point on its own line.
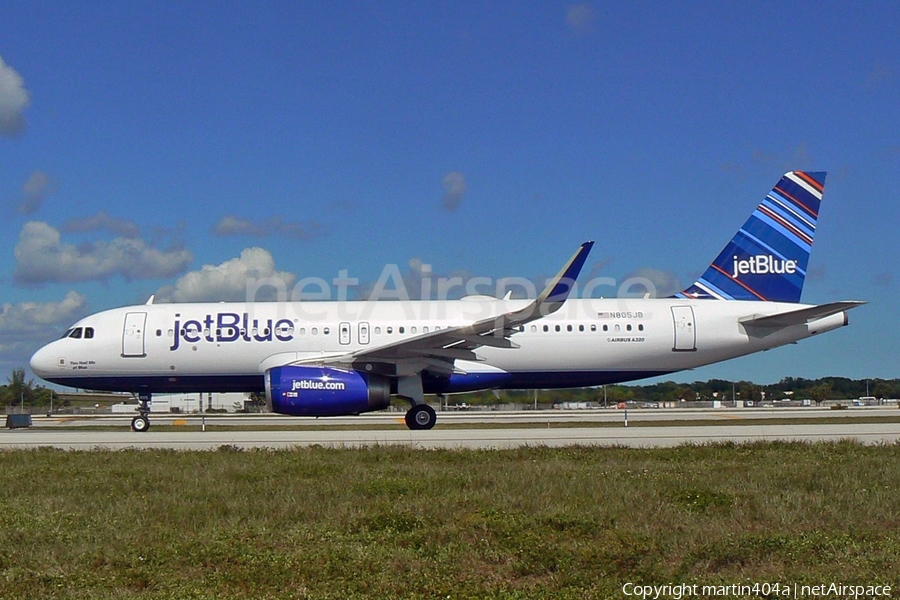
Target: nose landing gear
142 423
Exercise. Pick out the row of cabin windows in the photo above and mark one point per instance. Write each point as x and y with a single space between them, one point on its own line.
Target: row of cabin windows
78 333
89 331
413 330
376 330
229 330
301 331
616 327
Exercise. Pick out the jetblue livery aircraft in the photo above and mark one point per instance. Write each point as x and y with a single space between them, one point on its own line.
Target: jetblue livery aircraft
341 358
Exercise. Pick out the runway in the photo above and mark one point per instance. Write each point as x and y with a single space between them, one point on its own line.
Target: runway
656 428
498 417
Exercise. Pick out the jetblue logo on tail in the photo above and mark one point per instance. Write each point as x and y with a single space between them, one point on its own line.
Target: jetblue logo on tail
767 257
763 264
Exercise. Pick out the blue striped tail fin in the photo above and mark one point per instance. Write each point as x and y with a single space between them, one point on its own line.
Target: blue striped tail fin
768 256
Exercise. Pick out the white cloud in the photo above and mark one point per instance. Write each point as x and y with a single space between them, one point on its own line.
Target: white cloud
35 190
42 257
13 100
100 222
231 225
34 317
230 280
454 189
24 326
656 282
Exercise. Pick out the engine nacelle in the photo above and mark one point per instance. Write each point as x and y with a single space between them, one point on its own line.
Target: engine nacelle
324 391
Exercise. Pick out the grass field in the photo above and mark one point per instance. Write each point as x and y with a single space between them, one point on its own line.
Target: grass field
393 522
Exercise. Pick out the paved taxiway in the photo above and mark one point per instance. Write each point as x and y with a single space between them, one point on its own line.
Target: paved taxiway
500 417
546 429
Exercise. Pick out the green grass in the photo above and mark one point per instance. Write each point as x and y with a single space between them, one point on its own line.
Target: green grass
395 522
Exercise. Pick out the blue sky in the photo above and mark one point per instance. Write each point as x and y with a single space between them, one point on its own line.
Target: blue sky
141 141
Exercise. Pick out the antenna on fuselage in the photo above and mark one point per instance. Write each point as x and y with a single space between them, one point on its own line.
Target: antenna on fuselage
150 299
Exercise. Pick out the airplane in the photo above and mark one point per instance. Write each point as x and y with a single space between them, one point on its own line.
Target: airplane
349 357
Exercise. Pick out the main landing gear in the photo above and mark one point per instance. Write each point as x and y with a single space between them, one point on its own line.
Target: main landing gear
420 416
141 423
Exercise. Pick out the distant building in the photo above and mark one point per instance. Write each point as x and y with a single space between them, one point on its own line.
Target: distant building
189 403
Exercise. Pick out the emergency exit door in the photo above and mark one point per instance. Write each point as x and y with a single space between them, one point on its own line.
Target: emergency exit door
344 333
685 331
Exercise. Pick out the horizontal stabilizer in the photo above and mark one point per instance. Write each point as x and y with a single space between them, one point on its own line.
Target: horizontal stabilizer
802 316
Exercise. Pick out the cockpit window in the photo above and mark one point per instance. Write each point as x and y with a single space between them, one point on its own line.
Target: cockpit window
88 333
66 334
76 333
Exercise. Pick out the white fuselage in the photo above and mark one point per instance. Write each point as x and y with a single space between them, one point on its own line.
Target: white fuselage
212 347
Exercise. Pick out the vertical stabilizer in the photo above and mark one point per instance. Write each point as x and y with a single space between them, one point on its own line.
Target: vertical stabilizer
767 258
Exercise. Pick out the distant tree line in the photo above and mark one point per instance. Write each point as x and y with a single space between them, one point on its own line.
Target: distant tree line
789 388
20 391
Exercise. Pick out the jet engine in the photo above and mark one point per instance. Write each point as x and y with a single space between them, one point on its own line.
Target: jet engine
324 391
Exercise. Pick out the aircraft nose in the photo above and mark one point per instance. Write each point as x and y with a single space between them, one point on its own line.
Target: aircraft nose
44 361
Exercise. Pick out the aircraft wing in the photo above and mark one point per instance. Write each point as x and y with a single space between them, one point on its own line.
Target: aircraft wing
801 316
436 351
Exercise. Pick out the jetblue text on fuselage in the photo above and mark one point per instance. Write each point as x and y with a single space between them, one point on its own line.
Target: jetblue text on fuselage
230 327
763 264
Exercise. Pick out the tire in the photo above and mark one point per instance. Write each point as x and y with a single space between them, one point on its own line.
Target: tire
140 424
421 416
